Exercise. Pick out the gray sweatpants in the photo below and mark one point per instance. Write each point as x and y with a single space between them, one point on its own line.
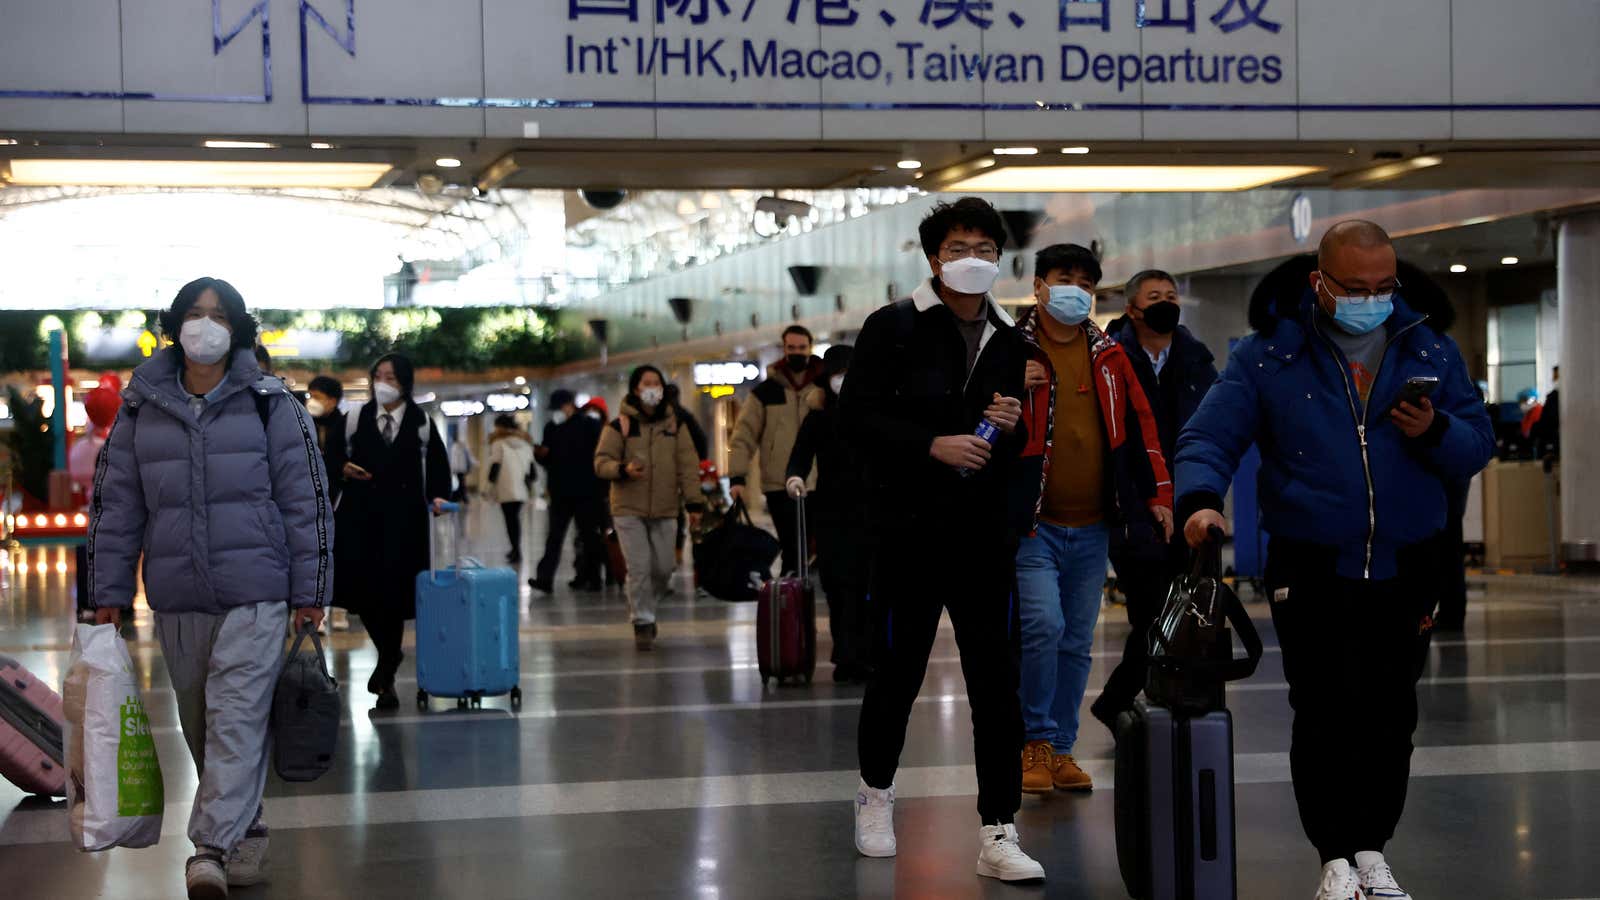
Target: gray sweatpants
224 669
650 547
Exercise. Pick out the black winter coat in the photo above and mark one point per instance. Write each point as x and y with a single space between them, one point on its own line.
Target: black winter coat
840 499
570 462
1174 395
330 437
383 523
908 384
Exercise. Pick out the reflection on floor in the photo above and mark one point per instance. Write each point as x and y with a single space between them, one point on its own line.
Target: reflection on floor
677 774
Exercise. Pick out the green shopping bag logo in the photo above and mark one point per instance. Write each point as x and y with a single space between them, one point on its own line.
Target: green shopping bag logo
139 788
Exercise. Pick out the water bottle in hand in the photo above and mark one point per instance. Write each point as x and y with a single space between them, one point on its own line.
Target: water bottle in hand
990 433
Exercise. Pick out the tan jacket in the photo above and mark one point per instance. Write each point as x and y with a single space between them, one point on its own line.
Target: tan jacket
770 421
672 468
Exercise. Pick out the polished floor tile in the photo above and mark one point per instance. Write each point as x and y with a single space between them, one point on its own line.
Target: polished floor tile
678 774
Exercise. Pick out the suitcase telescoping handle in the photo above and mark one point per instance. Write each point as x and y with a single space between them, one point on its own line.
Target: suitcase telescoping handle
800 535
451 510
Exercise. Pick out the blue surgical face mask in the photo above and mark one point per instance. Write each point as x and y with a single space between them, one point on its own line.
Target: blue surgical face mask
1359 315
1069 304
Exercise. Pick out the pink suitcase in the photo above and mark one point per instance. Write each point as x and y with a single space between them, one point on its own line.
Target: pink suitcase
30 732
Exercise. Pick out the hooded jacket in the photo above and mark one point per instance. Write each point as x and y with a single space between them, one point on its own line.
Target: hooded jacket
770 421
227 508
1137 479
1333 474
663 445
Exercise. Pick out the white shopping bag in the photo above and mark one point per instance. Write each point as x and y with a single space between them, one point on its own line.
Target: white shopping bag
114 789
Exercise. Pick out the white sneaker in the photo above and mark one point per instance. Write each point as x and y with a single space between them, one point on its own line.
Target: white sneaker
1000 855
1377 880
205 877
875 821
1339 882
248 863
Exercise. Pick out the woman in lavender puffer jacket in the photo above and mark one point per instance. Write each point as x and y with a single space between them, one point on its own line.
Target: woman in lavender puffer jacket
212 474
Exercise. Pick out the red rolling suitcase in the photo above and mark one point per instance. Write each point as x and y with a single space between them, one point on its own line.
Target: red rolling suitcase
786 619
31 754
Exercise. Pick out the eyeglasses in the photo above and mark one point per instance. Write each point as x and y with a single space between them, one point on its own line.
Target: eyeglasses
953 252
1387 287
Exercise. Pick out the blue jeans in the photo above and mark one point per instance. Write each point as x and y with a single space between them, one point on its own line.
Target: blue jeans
1060 574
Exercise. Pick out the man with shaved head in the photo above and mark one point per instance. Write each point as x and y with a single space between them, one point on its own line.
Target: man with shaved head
1353 490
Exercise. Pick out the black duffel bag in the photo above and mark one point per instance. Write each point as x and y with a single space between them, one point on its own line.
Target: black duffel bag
1191 648
305 713
733 560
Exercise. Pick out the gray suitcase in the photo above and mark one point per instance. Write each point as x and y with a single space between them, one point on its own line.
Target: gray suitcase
1174 804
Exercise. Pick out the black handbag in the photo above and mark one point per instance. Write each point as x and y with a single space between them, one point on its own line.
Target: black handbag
1191 648
735 559
305 713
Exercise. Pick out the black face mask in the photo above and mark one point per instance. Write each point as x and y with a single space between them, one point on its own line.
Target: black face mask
1161 318
798 362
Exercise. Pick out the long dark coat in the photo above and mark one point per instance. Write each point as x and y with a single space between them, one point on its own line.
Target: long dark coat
383 523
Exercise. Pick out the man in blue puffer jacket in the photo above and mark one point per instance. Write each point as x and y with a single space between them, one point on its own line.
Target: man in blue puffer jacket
1355 498
212 474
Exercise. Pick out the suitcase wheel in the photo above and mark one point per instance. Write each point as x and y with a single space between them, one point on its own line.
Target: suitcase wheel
516 698
422 699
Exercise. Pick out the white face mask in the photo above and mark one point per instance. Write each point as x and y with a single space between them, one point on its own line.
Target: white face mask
559 416
316 408
652 396
969 275
204 341
385 393
837 383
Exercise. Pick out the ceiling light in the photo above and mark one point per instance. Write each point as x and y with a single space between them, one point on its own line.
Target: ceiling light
1128 179
8 142
193 173
1457 269
321 145
1509 260
1075 151
447 162
1386 172
909 164
240 145
1015 151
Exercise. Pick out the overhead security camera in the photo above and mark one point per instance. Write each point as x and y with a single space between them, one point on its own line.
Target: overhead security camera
603 198
783 209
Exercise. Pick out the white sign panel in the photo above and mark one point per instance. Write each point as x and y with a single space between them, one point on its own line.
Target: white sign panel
812 69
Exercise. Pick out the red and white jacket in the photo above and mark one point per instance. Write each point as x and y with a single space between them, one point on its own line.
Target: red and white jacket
1136 475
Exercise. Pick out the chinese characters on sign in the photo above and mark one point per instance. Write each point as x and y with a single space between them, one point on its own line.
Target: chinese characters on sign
917 41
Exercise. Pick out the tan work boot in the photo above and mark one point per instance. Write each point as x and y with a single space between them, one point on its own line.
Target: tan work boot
1038 760
1066 775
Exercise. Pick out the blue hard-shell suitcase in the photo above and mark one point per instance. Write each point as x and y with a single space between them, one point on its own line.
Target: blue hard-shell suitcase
467 634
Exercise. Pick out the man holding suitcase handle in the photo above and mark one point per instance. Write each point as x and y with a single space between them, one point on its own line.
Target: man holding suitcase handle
1356 505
